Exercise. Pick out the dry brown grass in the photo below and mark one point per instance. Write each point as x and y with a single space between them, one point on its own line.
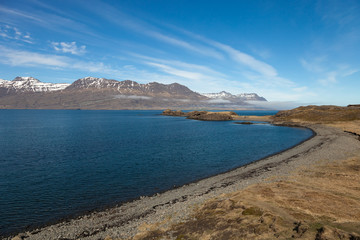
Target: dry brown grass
319 202
320 114
352 126
267 118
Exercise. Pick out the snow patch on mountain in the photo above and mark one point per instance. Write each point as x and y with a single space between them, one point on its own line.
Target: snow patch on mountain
228 96
30 84
221 94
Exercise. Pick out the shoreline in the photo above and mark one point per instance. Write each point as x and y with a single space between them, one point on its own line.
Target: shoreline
123 221
109 207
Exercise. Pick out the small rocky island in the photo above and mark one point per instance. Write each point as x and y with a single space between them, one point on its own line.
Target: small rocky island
202 115
216 116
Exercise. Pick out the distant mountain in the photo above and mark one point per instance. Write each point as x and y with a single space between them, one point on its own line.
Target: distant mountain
28 84
129 87
219 95
102 93
238 97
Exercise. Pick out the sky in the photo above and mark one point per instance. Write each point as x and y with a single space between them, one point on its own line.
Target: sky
290 52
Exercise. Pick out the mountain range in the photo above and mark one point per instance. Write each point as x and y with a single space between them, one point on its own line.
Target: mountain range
102 93
237 97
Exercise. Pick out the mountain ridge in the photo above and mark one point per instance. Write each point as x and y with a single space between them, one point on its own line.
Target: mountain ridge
241 96
102 93
29 84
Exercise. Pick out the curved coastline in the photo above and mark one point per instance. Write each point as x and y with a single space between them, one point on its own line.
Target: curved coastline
122 221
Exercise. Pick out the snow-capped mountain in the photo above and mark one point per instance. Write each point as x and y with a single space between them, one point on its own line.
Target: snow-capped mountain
219 95
102 93
238 97
250 97
29 84
128 87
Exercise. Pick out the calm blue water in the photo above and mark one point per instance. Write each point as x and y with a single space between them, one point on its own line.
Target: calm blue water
57 163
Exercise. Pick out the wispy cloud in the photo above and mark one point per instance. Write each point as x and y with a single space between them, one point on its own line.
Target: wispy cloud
25 58
131 23
238 56
69 47
198 77
206 51
10 32
347 70
177 72
184 65
248 60
327 73
268 81
263 53
315 65
18 13
47 20
259 73
300 89
14 57
341 12
329 79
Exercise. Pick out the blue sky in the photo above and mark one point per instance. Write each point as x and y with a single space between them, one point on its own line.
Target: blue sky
290 52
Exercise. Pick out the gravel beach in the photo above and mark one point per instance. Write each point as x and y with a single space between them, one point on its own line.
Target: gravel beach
122 222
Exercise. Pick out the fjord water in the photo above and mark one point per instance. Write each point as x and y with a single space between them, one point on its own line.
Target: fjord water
59 163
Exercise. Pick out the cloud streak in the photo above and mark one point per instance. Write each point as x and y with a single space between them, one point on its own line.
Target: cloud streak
69 47
17 13
9 32
239 57
327 76
247 60
183 44
49 21
32 59
177 72
25 58
123 20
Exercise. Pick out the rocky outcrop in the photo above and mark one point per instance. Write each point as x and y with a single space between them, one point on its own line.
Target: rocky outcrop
202 115
354 105
175 113
211 116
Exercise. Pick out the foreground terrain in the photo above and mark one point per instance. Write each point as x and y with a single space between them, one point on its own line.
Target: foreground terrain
311 191
319 201
314 202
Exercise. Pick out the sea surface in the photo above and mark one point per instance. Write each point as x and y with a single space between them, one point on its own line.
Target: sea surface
61 163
